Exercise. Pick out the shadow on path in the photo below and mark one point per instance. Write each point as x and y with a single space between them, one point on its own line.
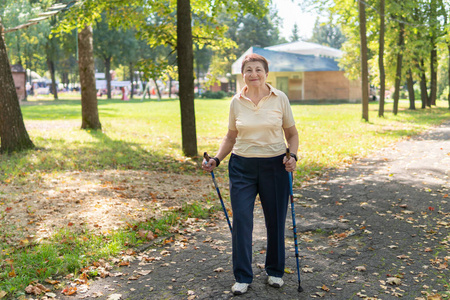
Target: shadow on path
377 230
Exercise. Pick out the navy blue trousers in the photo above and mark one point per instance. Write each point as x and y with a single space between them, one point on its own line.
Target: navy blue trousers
268 178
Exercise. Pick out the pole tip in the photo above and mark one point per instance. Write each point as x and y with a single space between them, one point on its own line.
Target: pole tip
300 289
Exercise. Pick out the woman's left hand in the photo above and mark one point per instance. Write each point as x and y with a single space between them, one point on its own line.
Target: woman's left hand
290 164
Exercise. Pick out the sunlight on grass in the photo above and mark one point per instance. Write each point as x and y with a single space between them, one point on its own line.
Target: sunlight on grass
68 252
147 135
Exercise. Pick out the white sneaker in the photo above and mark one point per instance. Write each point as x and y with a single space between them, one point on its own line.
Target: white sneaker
239 288
275 281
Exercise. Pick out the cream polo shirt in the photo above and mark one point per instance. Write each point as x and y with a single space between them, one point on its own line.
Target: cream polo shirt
260 127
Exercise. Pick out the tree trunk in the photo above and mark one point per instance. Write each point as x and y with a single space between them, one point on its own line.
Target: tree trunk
89 105
423 84
107 61
412 97
381 61
186 78
398 73
198 71
19 51
51 69
157 89
13 134
448 47
364 66
146 87
170 85
66 80
27 66
131 79
434 32
433 73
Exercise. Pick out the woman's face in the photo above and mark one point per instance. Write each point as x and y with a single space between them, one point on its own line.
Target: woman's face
254 74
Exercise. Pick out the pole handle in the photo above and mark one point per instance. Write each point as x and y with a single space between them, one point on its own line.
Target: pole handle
206 156
288 153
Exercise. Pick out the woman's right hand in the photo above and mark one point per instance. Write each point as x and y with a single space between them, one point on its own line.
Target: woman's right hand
208 165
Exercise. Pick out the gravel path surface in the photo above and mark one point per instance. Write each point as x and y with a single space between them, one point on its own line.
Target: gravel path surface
376 230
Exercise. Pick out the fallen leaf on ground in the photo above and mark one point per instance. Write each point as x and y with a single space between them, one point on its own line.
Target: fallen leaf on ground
144 272
361 268
114 297
394 281
325 288
51 295
288 271
361 295
36 289
51 281
69 290
130 252
97 294
218 270
3 294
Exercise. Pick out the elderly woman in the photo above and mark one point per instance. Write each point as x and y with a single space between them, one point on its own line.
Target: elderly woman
260 120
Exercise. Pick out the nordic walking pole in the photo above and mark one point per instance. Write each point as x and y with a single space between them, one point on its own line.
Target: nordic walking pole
207 158
300 289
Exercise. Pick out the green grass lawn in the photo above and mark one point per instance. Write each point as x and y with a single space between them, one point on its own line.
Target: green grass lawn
146 136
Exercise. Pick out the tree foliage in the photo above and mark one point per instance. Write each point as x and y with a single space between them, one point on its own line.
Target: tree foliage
425 32
327 34
153 21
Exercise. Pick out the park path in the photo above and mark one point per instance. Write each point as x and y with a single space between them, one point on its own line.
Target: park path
378 229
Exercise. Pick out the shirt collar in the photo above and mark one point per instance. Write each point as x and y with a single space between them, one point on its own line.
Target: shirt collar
272 90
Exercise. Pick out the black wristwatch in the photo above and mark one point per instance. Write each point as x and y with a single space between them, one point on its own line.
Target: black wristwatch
217 161
294 156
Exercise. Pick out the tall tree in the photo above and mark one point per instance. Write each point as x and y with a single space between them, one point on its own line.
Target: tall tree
13 135
186 77
446 9
423 84
153 19
51 51
434 34
294 35
67 64
81 17
106 46
130 53
381 60
398 73
364 66
328 34
89 105
410 84
448 97
246 28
